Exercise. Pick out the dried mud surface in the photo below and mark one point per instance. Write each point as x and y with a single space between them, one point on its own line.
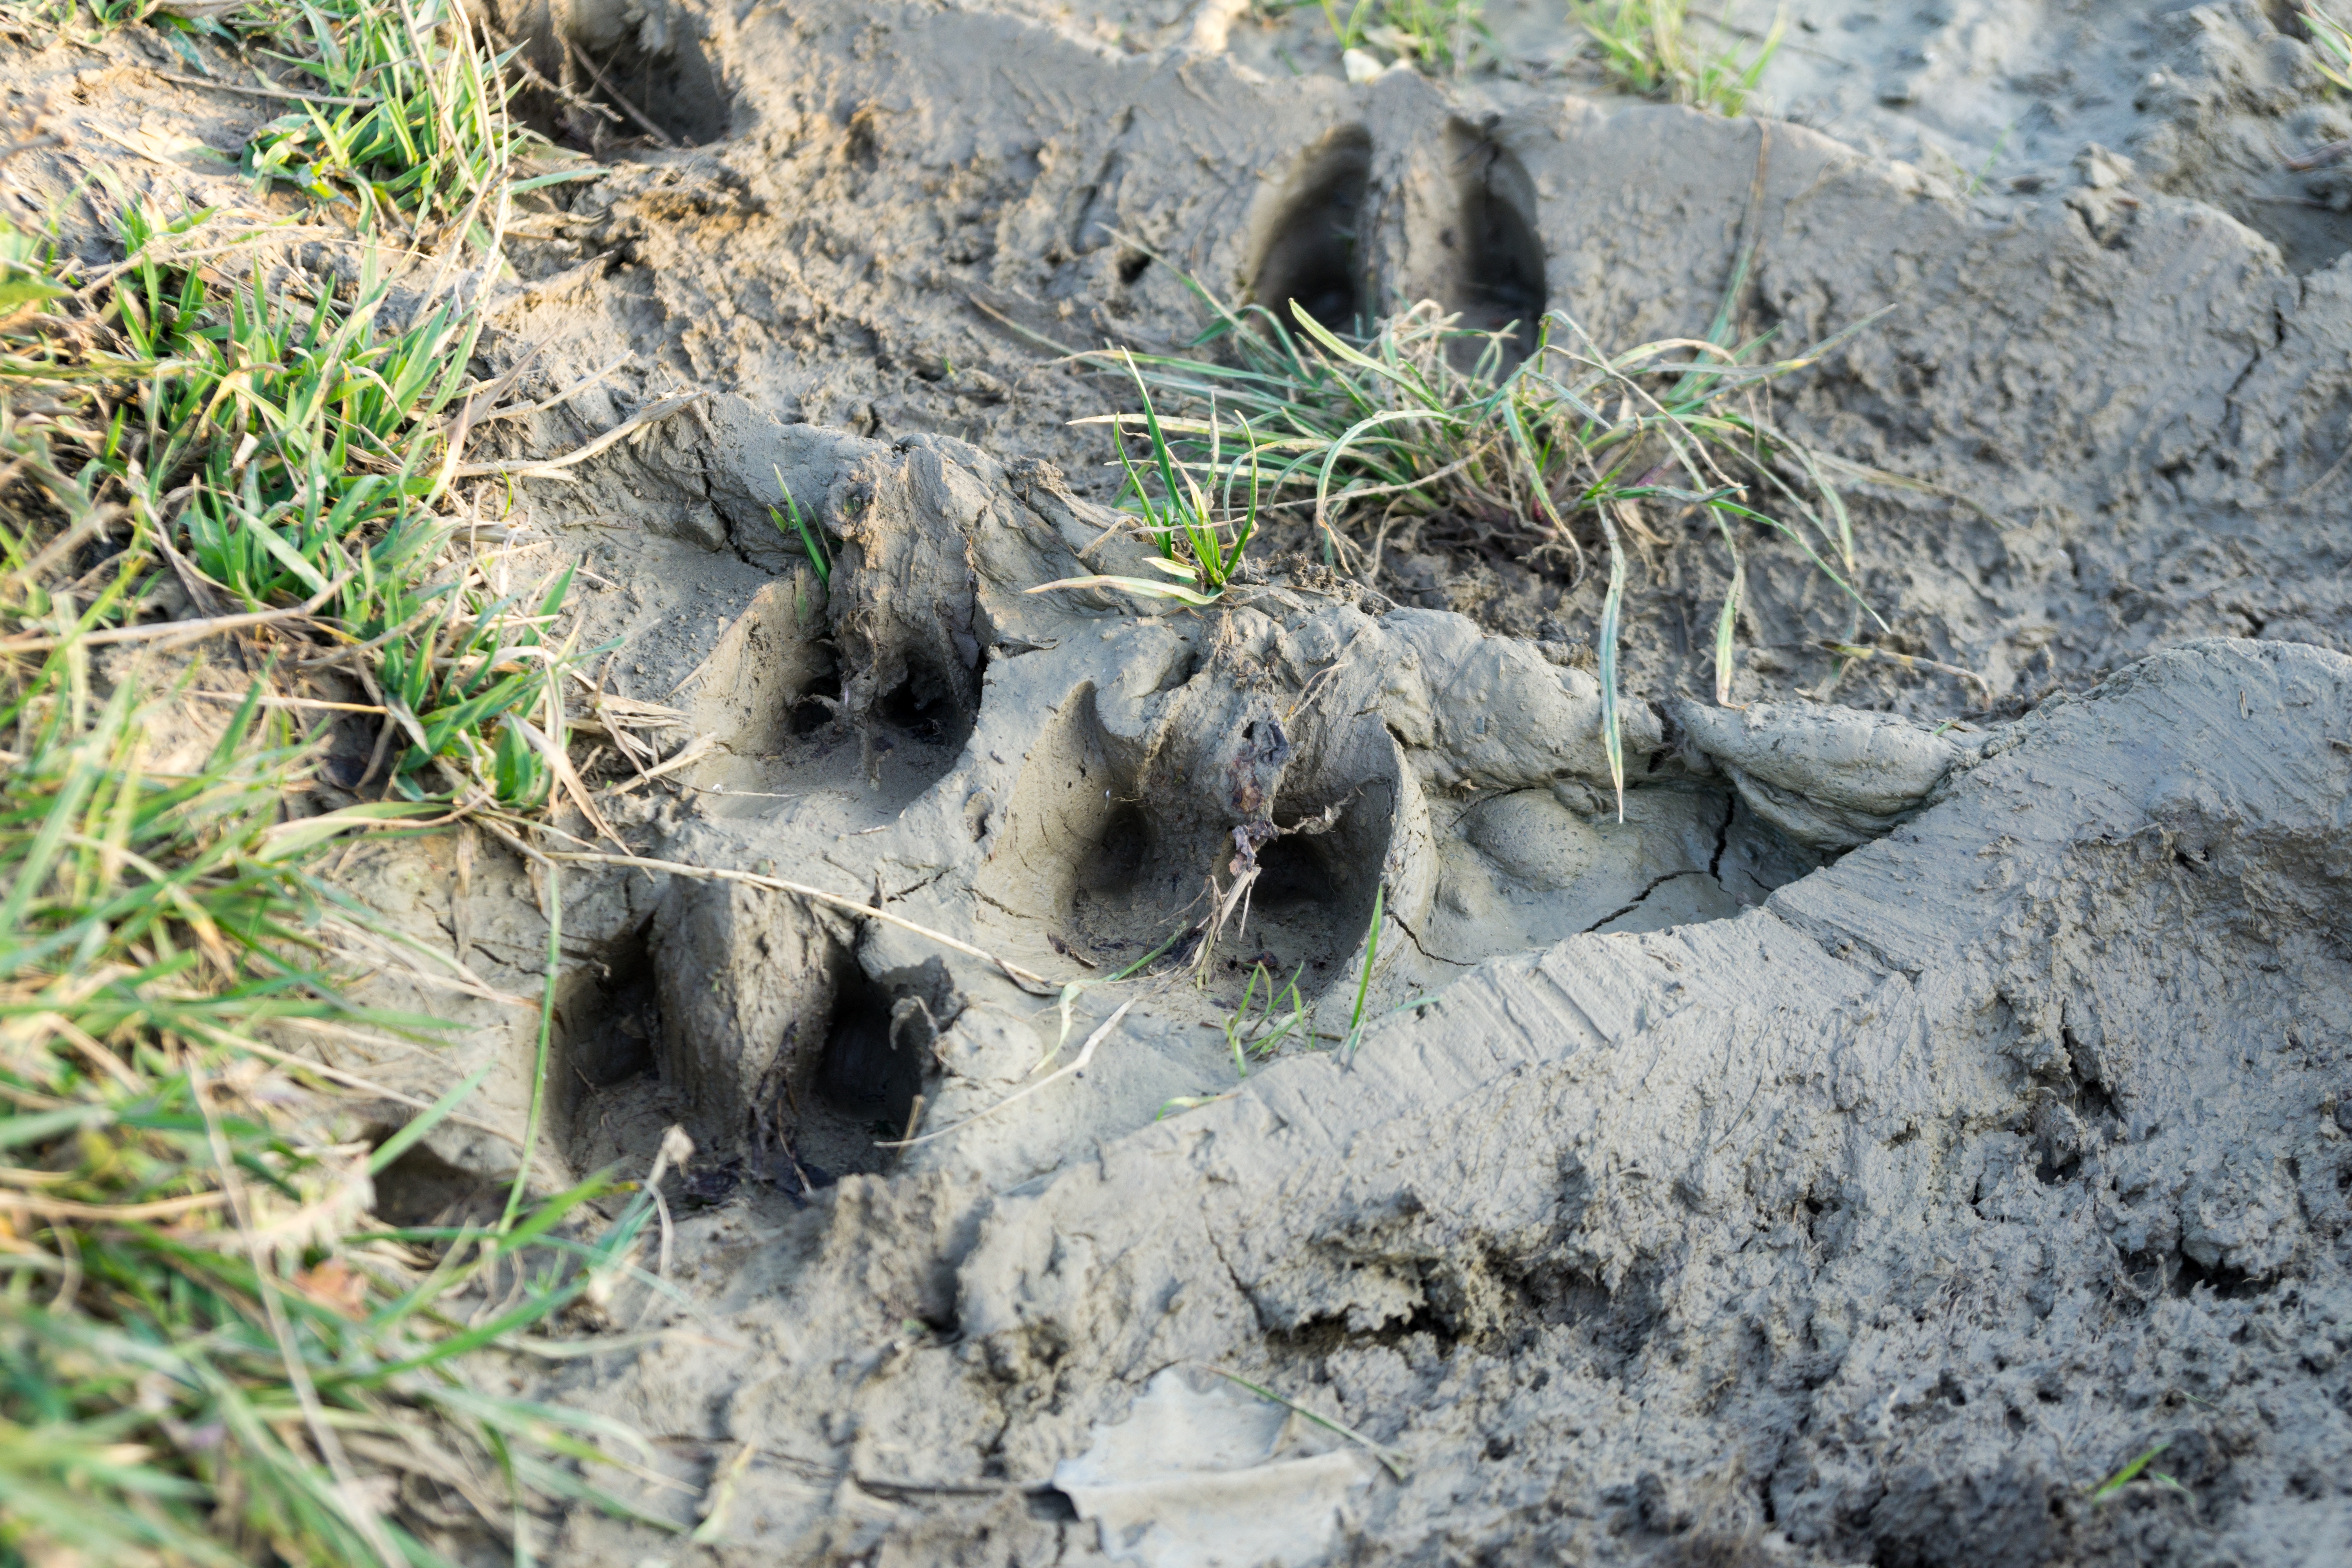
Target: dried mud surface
1931 1096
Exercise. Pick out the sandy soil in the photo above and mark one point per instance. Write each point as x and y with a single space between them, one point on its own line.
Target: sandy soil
1929 1098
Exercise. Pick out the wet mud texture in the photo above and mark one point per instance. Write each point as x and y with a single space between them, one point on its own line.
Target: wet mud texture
1926 1099
1878 1223
2139 397
1897 1123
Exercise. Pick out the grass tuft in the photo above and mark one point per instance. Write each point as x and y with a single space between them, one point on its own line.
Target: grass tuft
1567 459
1262 1037
277 442
1200 544
210 1349
1645 48
419 127
1435 36
201 1329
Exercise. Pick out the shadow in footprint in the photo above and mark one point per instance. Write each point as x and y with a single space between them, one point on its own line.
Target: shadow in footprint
603 76
1105 854
924 708
1312 252
1313 900
1498 274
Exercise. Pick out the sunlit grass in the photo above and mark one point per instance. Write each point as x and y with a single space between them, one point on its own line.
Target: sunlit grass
210 1349
291 444
1437 36
1567 459
203 1333
1645 46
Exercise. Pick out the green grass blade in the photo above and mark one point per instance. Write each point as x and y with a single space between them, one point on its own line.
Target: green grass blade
1726 624
1612 608
400 1143
1364 979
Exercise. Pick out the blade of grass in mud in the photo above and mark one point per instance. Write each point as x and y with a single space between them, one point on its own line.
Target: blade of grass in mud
400 1143
1613 606
1726 624
1071 992
2114 1485
1390 1459
1364 979
298 516
2332 46
1237 1021
1078 1064
554 885
812 543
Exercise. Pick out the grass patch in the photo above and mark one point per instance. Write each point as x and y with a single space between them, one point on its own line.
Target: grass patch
1564 460
83 19
408 118
1645 48
203 1338
210 1352
397 109
1199 543
280 443
1435 36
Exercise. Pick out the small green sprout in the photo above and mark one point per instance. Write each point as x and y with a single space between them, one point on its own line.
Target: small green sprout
820 556
1364 981
2114 1485
1200 545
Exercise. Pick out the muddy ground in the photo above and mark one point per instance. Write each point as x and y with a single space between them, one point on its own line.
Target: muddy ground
1930 1097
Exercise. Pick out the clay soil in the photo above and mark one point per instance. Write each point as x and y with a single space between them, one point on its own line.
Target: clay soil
1929 1098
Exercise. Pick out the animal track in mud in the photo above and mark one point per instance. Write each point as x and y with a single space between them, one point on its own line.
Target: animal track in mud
1494 269
612 1022
831 1060
816 707
789 710
1498 260
643 77
1313 900
1534 867
1109 851
864 1062
1117 866
605 1104
875 1056
923 707
602 1079
1314 252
